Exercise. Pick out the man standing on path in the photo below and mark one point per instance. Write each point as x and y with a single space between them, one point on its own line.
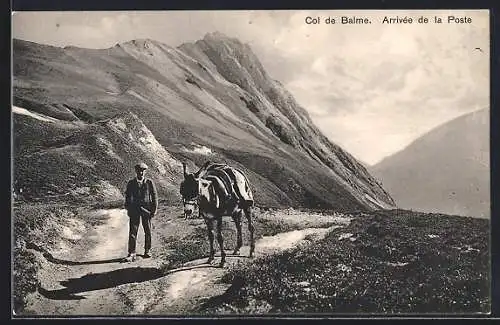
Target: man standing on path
141 202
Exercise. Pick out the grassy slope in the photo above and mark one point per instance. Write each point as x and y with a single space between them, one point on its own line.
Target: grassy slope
444 274
77 153
87 163
37 226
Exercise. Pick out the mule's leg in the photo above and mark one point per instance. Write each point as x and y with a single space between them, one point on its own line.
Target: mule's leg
220 241
248 214
210 228
239 240
185 212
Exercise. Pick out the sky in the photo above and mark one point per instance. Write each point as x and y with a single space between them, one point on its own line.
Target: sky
371 88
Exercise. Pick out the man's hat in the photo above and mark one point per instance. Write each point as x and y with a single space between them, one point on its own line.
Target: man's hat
141 166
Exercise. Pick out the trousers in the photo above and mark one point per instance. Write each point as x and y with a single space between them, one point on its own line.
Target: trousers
135 220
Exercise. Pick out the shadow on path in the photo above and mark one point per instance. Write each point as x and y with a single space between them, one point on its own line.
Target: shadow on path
56 260
91 282
106 280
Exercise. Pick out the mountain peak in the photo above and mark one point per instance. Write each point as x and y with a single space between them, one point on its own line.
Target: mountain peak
217 36
140 43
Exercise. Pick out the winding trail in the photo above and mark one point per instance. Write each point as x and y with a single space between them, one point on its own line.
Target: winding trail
91 278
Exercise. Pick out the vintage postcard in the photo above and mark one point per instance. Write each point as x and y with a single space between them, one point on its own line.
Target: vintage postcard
209 163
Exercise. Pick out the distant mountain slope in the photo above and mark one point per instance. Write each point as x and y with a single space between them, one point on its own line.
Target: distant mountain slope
211 94
446 170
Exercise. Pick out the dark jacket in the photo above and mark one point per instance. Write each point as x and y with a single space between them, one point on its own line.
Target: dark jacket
141 196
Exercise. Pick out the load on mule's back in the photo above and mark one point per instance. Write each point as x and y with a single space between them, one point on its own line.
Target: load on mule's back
219 190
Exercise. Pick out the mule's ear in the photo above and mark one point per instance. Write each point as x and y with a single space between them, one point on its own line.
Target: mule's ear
202 169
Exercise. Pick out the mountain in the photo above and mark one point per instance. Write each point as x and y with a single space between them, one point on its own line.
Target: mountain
447 170
211 99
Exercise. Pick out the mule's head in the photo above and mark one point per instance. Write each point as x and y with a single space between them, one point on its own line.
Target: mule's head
189 191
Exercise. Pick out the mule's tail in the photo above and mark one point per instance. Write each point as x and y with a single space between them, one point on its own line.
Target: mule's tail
247 204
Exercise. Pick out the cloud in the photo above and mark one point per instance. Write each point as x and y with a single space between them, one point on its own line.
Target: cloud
378 91
85 29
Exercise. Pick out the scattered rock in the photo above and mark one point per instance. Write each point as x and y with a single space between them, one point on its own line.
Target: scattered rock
397 264
345 236
304 284
344 268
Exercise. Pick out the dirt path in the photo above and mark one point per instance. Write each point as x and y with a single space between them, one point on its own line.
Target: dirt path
82 280
186 288
90 278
